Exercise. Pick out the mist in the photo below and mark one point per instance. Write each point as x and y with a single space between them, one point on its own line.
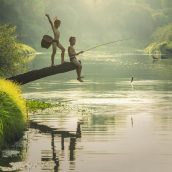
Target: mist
91 21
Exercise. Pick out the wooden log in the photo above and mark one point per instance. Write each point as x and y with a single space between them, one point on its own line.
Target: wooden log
41 73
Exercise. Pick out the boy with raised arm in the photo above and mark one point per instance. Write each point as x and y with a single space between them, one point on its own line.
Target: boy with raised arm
72 55
55 26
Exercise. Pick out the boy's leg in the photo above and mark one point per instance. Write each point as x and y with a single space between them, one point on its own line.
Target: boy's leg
53 53
62 52
78 70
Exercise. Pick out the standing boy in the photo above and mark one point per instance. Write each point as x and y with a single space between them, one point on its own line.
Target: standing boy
55 26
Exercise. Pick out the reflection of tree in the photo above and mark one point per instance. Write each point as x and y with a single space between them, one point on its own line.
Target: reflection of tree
20 152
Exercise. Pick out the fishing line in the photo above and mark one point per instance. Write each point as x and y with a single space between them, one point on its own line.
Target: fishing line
112 42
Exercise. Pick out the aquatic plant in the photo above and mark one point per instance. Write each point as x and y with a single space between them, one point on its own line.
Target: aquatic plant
34 105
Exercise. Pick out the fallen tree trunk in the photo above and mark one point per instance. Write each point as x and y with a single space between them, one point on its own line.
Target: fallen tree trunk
41 73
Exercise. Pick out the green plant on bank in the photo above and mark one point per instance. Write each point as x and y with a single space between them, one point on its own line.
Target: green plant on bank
12 53
162 41
13 116
159 48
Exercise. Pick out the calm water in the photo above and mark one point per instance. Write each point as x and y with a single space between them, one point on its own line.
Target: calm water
122 127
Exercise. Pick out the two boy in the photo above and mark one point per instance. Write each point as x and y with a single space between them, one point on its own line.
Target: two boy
71 51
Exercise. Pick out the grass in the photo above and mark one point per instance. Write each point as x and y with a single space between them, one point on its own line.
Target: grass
13 114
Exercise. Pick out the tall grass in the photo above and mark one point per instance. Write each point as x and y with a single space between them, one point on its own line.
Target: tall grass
13 114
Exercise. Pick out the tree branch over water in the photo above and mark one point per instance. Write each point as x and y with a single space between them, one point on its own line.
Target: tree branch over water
41 73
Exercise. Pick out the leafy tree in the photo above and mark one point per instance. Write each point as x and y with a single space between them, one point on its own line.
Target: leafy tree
11 59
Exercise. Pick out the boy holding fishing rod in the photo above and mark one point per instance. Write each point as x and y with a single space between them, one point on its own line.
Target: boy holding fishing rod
55 26
72 55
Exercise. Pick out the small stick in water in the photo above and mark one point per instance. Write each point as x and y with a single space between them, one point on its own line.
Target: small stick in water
132 122
132 78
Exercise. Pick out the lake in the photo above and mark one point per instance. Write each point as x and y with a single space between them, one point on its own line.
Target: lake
122 126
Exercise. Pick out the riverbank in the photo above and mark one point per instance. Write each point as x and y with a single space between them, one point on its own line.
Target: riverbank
162 43
162 48
13 113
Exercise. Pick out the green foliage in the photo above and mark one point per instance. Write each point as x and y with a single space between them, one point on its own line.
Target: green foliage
107 20
11 52
34 105
8 53
162 38
25 15
163 33
12 112
160 48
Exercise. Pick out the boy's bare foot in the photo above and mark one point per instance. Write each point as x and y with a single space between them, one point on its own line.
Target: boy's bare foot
63 62
80 80
52 65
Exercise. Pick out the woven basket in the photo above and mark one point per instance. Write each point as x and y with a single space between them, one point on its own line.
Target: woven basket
46 41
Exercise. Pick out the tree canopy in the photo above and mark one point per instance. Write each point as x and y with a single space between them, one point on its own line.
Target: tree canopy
90 21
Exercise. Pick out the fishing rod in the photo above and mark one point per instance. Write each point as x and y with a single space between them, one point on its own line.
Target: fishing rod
112 42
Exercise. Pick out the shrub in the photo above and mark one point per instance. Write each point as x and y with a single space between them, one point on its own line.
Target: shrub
12 112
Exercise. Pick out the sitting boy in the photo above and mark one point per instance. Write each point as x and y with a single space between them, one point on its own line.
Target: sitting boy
72 55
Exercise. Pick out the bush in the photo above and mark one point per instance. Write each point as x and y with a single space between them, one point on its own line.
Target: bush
12 112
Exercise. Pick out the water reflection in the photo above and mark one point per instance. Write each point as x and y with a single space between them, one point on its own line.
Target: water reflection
63 134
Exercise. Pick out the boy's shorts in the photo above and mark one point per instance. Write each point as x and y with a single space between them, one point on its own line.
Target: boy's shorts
57 44
76 62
